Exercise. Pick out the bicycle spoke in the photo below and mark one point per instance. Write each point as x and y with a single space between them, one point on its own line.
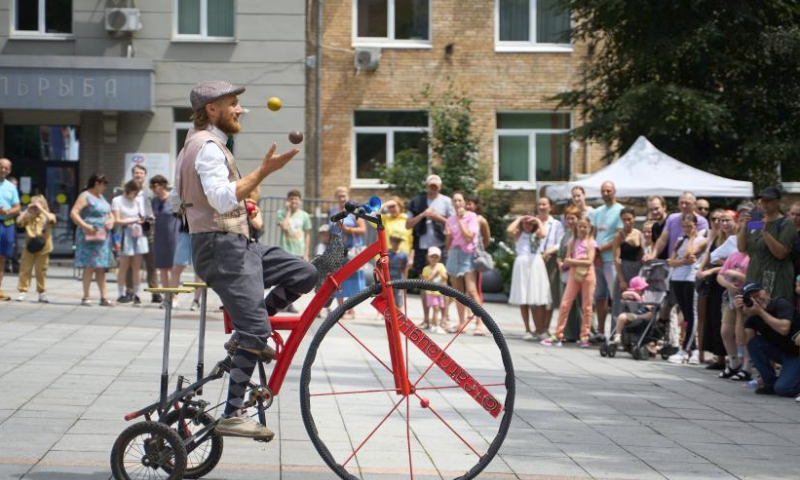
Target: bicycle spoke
451 387
366 348
433 411
455 438
444 350
353 392
408 438
372 432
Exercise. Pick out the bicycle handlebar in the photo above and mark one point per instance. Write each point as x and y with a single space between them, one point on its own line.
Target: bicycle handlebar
351 207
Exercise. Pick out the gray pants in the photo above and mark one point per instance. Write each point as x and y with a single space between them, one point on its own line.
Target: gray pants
239 270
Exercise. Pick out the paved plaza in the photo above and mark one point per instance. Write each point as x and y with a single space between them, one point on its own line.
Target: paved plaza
69 373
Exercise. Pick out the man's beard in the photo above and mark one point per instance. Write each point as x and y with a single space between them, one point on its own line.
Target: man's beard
228 124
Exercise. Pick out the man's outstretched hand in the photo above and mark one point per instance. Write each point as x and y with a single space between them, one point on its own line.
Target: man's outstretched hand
273 163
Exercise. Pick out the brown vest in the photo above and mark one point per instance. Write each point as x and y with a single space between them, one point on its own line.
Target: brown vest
201 216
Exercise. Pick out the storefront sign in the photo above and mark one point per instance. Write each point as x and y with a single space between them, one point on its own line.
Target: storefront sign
79 85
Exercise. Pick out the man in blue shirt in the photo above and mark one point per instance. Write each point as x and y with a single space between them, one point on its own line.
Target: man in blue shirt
606 221
9 208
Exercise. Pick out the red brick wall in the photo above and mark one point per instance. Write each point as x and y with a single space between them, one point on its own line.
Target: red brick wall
493 81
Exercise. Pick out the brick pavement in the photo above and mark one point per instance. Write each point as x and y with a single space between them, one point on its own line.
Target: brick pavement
69 373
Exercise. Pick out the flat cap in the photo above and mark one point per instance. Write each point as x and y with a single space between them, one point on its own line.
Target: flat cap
207 92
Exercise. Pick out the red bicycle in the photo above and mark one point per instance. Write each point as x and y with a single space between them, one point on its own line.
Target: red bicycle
378 396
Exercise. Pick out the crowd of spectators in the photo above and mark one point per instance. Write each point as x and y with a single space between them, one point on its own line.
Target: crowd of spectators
734 293
733 303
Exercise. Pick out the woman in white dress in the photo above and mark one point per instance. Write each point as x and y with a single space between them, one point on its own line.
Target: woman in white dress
530 286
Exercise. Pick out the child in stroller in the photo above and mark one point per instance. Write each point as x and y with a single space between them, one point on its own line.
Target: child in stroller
639 330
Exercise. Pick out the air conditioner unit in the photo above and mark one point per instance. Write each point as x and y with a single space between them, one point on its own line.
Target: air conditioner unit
123 19
366 58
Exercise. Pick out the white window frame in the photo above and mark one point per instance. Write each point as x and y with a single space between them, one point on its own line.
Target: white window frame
203 35
41 33
531 45
389 41
374 182
531 183
173 147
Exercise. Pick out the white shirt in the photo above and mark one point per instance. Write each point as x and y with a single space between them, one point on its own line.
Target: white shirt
725 250
127 208
210 165
686 273
554 232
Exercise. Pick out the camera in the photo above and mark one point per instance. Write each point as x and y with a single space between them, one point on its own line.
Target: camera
747 301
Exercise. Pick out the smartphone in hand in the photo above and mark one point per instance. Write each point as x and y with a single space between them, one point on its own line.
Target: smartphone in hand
756 220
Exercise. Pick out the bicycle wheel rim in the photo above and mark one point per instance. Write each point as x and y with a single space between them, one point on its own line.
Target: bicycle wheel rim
204 456
454 423
158 442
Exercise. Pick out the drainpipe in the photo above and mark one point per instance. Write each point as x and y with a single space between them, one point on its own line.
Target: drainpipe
318 107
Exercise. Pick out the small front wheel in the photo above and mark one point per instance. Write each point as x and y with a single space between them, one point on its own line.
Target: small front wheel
202 454
144 449
460 404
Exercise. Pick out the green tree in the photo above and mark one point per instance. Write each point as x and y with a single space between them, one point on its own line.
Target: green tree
453 142
711 83
406 176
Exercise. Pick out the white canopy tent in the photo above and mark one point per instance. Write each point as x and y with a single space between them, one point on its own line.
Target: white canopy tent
644 170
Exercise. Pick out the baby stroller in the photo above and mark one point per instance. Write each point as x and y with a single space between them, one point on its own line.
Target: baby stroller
638 333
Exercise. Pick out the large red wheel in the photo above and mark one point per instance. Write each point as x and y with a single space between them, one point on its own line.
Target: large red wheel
454 420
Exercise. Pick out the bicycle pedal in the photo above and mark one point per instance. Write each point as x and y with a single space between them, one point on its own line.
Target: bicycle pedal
263 440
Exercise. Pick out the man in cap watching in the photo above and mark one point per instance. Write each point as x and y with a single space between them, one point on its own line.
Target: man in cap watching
769 244
427 216
771 323
238 269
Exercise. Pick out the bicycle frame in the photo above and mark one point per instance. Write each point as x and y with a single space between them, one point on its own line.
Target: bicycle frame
298 326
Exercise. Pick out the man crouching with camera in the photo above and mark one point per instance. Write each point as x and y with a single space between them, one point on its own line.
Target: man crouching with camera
771 323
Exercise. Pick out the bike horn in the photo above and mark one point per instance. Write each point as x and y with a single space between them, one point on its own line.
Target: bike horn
373 205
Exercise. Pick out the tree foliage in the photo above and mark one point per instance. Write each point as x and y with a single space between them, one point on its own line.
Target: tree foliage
711 83
453 142
406 176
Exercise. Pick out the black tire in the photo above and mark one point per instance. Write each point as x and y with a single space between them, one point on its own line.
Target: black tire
603 350
133 461
205 456
644 353
495 336
612 350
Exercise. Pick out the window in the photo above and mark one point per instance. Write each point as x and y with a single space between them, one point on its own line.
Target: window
395 21
532 25
379 136
205 19
182 122
43 17
532 147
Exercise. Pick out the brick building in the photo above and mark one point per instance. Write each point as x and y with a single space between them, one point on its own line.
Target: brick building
87 84
508 58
